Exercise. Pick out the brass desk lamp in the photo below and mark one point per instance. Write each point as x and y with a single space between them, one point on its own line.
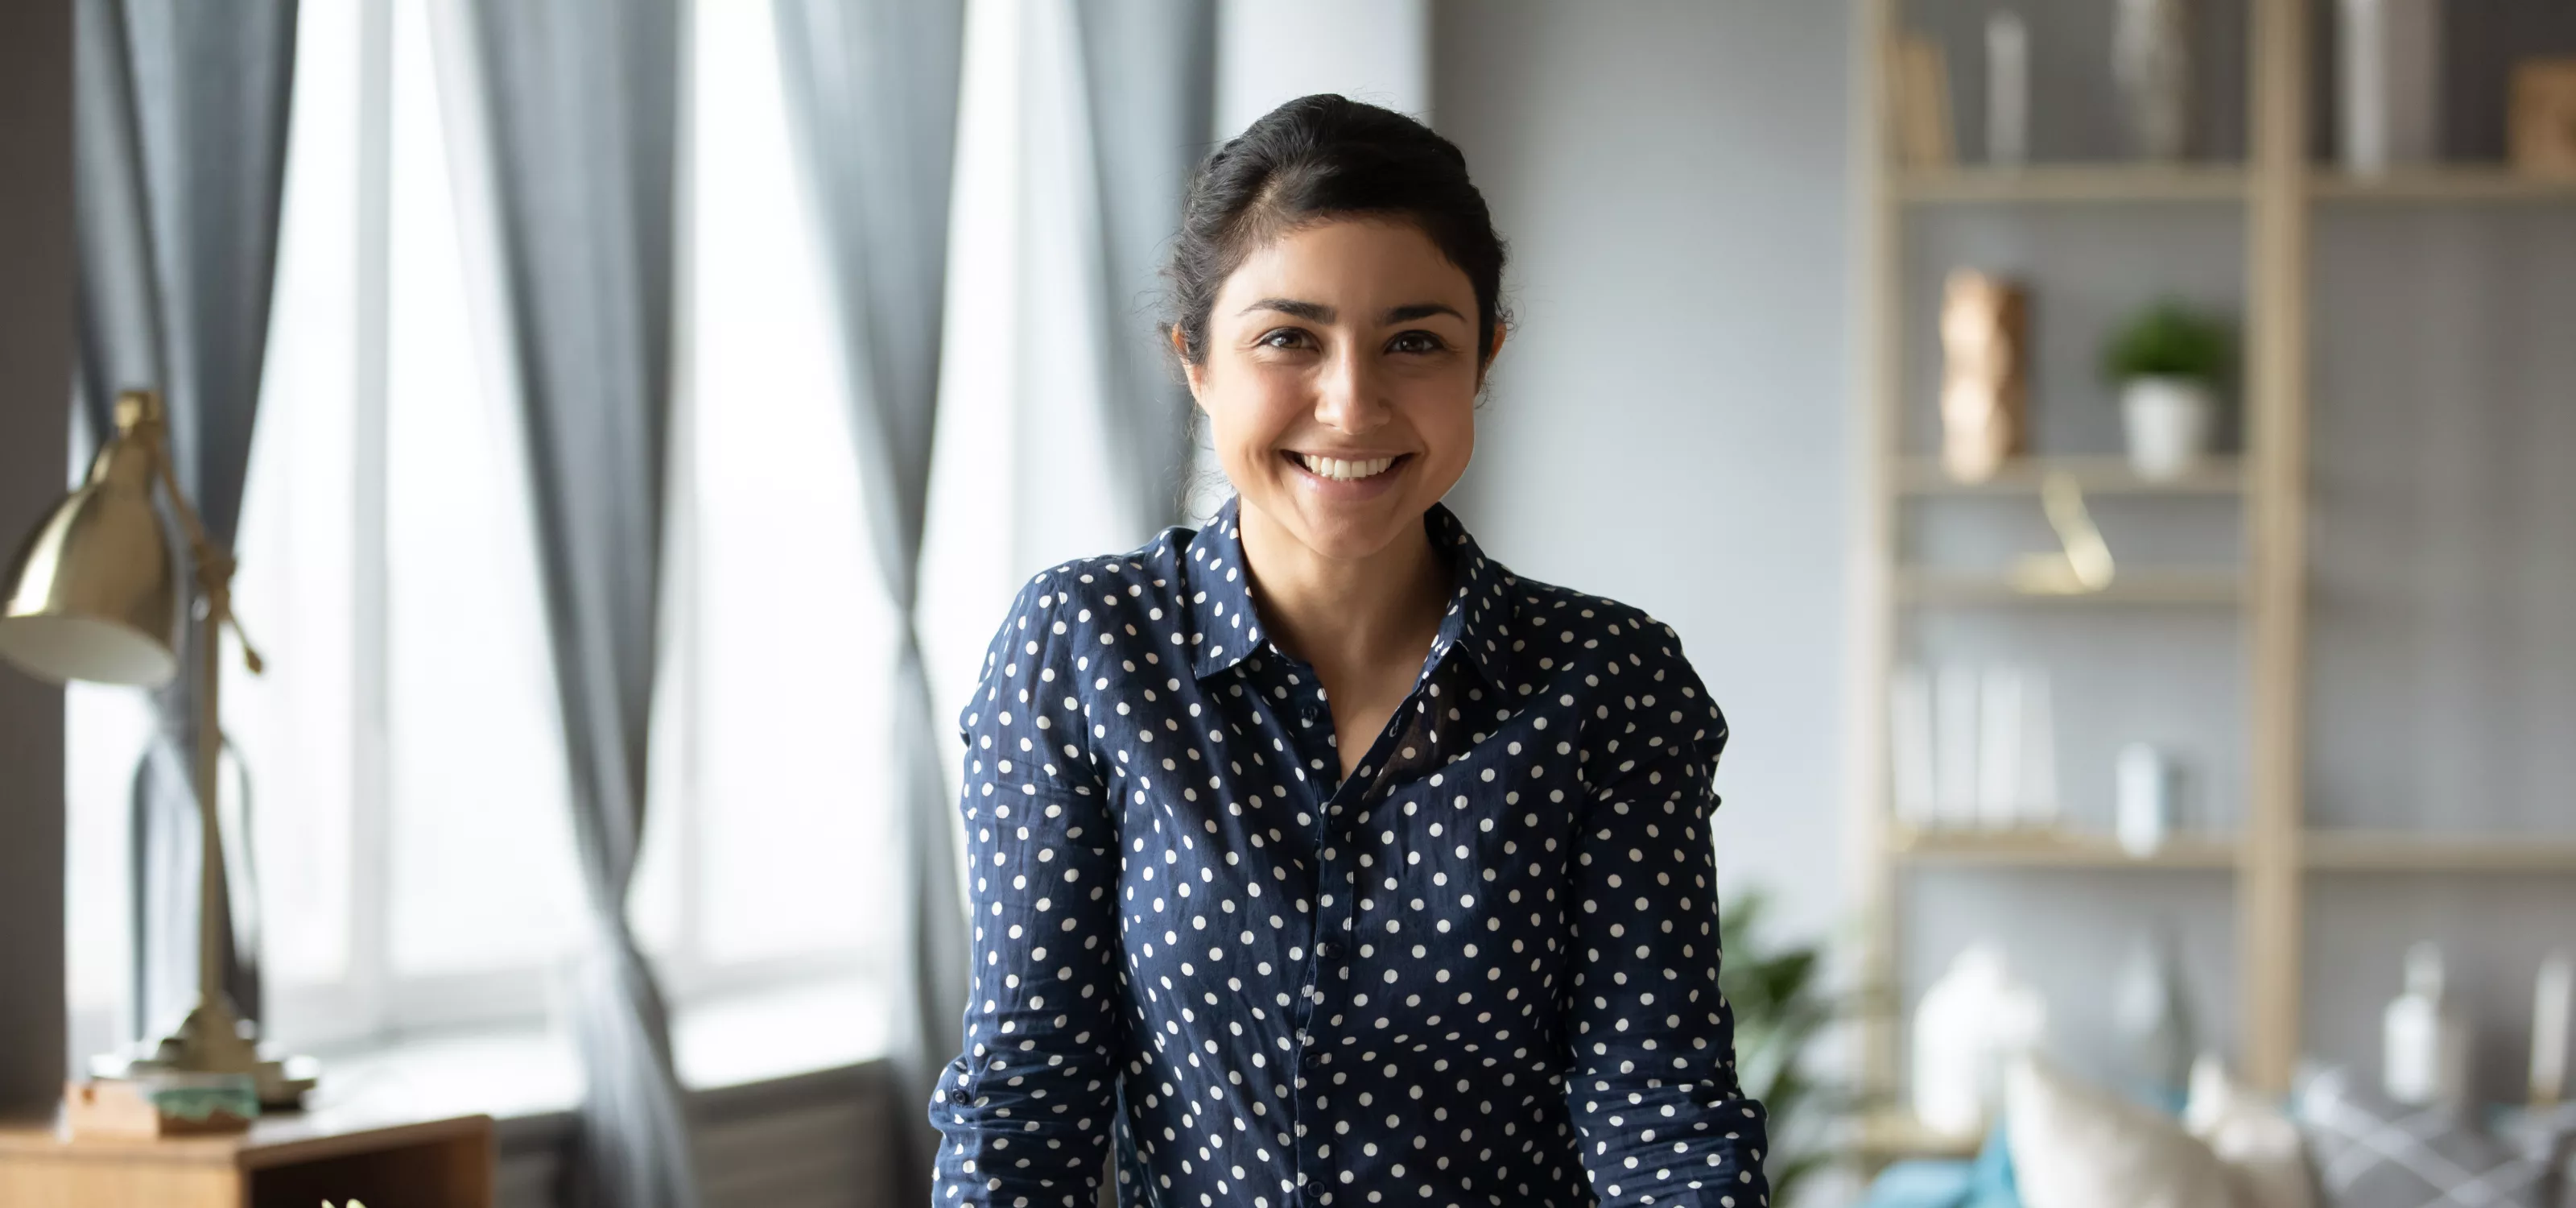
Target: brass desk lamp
95 595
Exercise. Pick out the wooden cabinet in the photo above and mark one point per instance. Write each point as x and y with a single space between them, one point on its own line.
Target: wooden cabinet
288 1161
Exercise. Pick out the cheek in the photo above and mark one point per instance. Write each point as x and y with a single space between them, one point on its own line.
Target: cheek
1443 410
1248 404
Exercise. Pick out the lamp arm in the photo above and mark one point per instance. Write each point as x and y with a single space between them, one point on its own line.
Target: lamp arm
214 565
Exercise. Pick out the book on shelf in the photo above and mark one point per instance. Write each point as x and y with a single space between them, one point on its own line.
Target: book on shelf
1918 96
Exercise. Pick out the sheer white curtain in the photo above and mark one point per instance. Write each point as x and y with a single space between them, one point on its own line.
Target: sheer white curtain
403 747
763 857
1021 470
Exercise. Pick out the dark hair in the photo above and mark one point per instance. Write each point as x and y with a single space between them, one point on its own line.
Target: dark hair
1320 157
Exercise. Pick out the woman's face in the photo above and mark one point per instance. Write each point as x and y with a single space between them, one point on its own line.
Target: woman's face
1340 382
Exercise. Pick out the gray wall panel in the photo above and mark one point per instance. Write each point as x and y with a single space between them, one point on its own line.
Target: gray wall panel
1669 425
2443 541
35 410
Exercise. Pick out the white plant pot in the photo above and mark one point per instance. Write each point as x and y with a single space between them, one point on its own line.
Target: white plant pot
2170 421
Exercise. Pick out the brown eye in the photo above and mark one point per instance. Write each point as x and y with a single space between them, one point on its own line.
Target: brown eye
1414 341
1285 337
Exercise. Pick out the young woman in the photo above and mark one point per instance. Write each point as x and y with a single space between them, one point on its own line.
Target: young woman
1316 858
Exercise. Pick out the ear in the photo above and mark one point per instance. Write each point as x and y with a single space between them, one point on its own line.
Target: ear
1495 349
1195 373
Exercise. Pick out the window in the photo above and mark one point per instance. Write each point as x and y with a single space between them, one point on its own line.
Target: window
413 837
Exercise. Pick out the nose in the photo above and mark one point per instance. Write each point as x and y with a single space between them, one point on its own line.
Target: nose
1347 397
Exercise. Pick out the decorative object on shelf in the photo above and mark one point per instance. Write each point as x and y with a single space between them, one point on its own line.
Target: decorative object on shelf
2082 563
1984 373
2553 994
2142 798
161 1105
95 594
1954 734
1782 1005
2151 1013
2151 60
1916 787
2369 1152
1918 97
1972 747
2424 1037
2079 1146
2007 89
1972 1023
2543 134
2267 1163
2168 363
2016 776
2391 72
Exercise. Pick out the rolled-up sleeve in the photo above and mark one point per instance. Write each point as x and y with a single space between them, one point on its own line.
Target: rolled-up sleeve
1653 1085
1024 1111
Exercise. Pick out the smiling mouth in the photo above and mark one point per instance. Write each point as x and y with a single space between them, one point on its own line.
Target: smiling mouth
1341 470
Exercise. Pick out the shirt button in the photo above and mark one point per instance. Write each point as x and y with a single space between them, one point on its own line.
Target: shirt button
1307 715
1329 950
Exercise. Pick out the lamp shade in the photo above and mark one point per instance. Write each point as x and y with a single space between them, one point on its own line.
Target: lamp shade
94 593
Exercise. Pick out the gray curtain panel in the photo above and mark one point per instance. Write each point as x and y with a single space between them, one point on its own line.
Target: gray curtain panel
582 102
179 160
872 94
1149 75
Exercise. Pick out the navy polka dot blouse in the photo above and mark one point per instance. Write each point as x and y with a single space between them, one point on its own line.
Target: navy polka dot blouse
1481 971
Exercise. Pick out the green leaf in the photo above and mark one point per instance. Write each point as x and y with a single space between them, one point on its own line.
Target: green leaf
2170 339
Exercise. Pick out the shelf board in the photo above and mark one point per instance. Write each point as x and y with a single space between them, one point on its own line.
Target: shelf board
2052 848
2100 183
1897 1134
2434 185
1915 585
2095 475
2403 851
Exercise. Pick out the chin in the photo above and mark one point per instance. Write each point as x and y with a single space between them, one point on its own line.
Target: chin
1353 540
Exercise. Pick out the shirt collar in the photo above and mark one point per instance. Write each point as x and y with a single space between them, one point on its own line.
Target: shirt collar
1226 627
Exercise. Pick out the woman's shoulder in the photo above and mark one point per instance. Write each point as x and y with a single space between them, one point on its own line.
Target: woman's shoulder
1620 664
1119 595
1573 629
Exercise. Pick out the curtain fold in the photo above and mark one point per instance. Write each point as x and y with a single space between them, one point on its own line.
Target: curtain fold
179 159
580 101
871 88
1149 80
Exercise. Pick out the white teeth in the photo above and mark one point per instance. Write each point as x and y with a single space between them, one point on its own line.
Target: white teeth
1345 471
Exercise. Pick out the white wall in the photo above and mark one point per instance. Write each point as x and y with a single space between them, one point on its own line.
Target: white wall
1377 51
1669 421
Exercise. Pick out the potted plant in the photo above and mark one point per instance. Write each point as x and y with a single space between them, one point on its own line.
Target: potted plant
2168 363
1782 1007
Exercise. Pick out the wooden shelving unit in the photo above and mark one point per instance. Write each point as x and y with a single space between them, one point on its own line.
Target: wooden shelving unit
2037 848
2425 186
1915 585
2387 851
2109 184
2271 858
2096 475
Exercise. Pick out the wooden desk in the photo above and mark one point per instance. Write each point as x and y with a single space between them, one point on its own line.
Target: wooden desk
284 1161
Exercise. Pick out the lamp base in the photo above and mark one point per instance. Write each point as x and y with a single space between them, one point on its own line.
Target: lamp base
210 1041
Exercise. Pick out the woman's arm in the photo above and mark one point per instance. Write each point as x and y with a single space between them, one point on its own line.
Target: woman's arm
1024 1111
1653 1085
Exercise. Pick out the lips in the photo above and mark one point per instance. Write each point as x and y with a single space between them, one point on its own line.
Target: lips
1338 469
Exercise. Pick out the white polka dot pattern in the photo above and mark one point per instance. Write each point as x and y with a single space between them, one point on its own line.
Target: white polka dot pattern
1481 971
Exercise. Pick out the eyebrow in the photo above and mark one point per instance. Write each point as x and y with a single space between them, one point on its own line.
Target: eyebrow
1320 313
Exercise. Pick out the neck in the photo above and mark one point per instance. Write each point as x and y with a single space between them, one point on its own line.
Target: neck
1339 613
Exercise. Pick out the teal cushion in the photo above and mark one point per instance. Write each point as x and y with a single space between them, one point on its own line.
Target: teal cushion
1922 1184
1991 1178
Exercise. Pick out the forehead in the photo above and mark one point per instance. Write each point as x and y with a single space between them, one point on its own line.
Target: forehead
1363 263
